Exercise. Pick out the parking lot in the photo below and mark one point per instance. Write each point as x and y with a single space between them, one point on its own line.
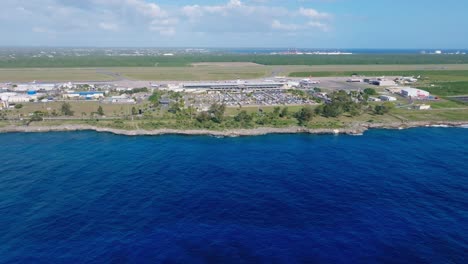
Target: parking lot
246 98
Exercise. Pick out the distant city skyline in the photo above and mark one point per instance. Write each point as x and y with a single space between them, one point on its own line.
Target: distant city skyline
339 24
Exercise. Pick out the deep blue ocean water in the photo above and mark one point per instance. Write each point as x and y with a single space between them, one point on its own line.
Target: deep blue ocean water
85 197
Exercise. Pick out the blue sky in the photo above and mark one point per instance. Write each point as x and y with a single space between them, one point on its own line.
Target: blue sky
236 23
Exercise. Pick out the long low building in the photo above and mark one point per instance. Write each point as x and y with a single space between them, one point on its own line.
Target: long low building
16 98
83 95
234 85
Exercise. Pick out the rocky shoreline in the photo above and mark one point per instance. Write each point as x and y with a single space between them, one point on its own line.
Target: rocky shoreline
353 129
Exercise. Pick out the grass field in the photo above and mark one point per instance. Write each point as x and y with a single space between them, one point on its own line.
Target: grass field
48 74
228 71
433 115
79 108
448 88
186 60
196 73
448 73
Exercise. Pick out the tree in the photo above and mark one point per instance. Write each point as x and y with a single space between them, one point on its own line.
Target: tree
305 115
134 111
317 90
155 97
100 111
36 117
370 91
284 112
217 112
243 117
383 109
354 109
203 117
276 111
332 110
66 109
18 106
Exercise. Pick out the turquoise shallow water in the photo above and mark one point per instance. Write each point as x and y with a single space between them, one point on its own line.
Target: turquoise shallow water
85 197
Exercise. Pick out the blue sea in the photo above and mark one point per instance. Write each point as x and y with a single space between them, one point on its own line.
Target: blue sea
87 197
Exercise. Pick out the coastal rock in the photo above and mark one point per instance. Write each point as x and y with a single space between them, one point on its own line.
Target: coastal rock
355 129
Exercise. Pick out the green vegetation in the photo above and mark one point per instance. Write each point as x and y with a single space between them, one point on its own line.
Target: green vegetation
66 109
370 91
436 73
56 74
353 103
187 60
305 115
448 88
36 117
384 108
156 97
135 90
18 106
100 111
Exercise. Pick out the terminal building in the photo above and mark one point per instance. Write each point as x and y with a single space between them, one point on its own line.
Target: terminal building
235 85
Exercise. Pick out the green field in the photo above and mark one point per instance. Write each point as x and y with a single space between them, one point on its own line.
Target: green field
228 71
186 60
81 108
48 74
436 74
195 73
448 88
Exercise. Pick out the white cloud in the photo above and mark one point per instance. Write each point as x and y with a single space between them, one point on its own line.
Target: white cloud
237 16
142 19
280 26
313 14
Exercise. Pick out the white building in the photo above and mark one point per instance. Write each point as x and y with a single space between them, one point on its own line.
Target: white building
120 99
16 98
20 99
387 98
24 87
68 85
354 80
292 84
413 92
83 95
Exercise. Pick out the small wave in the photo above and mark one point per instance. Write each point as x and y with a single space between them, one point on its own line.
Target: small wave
439 126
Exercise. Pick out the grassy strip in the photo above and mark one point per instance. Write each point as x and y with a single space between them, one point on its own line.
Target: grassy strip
440 75
186 60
